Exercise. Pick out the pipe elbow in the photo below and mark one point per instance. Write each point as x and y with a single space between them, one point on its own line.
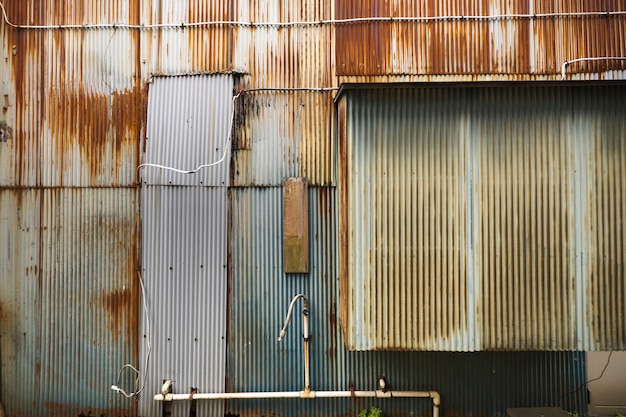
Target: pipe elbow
436 398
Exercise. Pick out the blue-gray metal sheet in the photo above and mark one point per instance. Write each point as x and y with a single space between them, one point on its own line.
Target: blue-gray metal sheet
69 304
486 218
189 121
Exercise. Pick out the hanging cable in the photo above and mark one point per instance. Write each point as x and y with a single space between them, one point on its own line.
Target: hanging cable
136 388
600 58
227 142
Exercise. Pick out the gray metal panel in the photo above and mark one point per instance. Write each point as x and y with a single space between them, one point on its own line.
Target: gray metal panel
70 299
188 125
535 178
184 269
184 238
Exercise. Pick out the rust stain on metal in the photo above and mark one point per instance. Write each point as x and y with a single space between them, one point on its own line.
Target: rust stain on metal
119 306
459 45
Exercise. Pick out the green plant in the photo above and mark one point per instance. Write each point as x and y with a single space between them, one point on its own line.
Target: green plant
619 415
372 412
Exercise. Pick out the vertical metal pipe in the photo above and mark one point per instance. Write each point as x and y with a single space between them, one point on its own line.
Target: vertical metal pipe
307 381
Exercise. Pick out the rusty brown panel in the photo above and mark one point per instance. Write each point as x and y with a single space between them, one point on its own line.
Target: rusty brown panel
342 191
296 225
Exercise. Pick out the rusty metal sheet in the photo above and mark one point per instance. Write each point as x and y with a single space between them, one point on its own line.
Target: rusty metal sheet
72 97
454 38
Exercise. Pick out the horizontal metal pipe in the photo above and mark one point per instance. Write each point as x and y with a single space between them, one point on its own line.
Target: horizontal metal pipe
305 394
299 394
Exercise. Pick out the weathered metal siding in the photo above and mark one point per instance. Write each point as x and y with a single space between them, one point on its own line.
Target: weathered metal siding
188 49
184 223
298 126
257 362
484 218
409 193
76 102
454 37
68 316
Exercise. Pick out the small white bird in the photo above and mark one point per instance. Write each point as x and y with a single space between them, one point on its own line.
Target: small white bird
167 387
382 382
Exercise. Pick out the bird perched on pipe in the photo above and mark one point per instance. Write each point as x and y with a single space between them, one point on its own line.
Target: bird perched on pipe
166 388
383 384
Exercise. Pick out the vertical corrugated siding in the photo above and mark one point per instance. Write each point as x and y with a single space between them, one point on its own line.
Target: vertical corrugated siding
478 384
457 42
533 175
185 50
76 105
68 300
184 223
295 125
20 320
601 129
184 270
408 189
524 238
188 126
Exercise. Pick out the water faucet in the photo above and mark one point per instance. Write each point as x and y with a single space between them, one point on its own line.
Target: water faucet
305 312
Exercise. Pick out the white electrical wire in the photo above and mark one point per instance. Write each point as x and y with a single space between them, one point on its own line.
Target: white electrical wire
600 58
402 19
149 347
226 144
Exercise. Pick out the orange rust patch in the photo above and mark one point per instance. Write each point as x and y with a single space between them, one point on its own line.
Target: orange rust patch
118 304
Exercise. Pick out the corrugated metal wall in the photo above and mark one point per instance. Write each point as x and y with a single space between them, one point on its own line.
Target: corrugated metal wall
454 37
485 218
478 384
76 101
184 223
67 316
70 297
